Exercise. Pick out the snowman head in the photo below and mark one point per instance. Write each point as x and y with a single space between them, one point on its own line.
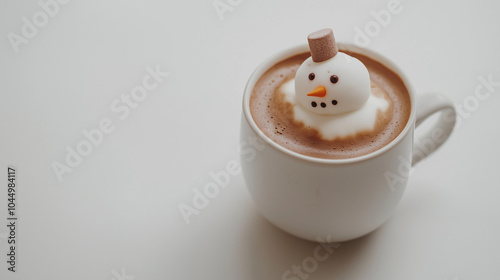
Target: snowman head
331 82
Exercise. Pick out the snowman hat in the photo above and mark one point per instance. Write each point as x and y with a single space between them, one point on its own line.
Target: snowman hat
322 45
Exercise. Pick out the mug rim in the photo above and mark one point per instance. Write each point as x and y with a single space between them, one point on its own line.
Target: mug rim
286 53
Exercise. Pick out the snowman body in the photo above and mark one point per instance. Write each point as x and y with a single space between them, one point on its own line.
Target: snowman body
332 91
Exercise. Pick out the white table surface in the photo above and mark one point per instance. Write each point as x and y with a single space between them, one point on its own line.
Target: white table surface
116 215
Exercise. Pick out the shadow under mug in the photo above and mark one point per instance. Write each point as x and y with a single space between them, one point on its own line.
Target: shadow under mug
335 200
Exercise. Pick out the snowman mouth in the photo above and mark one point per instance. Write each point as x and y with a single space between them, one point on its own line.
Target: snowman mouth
314 104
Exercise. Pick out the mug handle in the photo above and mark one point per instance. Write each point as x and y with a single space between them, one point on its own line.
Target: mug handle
427 105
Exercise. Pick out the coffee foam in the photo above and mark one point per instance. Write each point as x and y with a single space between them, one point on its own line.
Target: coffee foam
331 127
274 115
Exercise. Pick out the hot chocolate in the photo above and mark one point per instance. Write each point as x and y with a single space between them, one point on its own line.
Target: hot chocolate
285 120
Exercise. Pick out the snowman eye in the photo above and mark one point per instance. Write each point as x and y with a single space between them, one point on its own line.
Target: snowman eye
311 76
334 79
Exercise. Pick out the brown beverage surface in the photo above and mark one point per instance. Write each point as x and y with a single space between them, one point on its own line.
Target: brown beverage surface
274 116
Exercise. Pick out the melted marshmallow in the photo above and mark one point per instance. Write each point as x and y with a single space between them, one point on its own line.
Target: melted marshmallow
336 126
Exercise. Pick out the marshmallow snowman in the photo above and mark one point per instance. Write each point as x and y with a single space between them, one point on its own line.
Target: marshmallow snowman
331 82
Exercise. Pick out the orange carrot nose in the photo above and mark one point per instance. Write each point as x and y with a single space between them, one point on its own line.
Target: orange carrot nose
319 92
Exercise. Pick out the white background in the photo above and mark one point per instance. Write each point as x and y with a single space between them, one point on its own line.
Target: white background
116 215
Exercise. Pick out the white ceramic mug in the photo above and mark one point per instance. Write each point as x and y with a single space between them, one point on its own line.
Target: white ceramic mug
337 199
